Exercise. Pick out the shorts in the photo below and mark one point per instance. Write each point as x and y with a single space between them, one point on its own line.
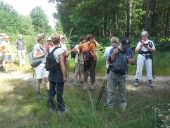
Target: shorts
40 71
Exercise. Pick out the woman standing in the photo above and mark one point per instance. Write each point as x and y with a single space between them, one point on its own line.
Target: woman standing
40 71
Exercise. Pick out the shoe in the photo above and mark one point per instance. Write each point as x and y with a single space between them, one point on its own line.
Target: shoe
136 83
150 83
61 112
51 109
123 107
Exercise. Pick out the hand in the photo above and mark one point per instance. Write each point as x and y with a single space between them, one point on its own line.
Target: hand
115 51
132 61
64 79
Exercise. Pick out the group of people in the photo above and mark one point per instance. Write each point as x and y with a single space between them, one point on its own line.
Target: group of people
54 80
85 61
118 55
5 50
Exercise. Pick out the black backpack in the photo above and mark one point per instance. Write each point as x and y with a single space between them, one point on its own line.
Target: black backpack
51 63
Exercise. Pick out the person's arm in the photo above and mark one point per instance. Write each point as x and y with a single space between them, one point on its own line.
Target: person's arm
138 47
115 51
62 66
151 47
38 54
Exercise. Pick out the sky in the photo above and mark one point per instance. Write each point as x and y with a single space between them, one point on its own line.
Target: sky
24 7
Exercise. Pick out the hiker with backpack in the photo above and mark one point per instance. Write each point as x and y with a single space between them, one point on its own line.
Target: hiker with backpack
89 52
39 52
57 74
145 48
79 62
114 43
119 57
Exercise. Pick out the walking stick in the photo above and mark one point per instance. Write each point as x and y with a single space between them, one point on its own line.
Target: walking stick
101 91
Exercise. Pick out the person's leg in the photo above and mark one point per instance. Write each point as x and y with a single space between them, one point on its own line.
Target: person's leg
19 57
86 70
92 73
148 64
60 102
23 57
81 72
51 95
122 93
111 87
140 63
39 70
76 73
38 86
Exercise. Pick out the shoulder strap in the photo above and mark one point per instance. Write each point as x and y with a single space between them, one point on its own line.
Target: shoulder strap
41 48
54 50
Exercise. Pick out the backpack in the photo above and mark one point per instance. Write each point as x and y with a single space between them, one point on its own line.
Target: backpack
51 63
88 58
34 62
119 63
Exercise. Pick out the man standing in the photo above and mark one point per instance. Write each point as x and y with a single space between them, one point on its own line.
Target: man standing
119 58
21 48
145 47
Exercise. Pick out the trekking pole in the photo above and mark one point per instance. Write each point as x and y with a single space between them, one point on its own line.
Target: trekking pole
153 74
101 91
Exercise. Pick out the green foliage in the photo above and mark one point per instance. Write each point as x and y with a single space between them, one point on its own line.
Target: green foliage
39 20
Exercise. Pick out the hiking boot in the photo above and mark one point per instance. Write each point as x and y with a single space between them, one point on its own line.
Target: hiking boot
123 107
59 112
150 83
51 109
136 83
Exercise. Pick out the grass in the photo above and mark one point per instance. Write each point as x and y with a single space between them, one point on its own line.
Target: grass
20 108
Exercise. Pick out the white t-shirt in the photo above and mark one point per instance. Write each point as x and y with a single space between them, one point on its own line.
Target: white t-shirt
106 55
57 53
39 48
63 46
144 48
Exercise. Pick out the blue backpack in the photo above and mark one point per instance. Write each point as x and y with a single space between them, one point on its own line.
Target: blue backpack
119 65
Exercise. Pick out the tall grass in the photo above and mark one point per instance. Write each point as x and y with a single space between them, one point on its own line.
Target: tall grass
20 108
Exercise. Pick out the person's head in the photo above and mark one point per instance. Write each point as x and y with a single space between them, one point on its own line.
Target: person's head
90 37
55 39
62 39
114 41
124 43
83 39
49 42
40 38
144 35
6 38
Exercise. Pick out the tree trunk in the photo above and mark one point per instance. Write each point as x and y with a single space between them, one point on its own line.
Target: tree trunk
129 17
167 26
147 18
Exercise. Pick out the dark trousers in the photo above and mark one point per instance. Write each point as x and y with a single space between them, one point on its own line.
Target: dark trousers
59 87
92 70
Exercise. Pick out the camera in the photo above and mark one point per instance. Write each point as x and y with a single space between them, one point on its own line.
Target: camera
150 44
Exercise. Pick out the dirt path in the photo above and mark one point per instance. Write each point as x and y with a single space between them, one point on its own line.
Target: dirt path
159 81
